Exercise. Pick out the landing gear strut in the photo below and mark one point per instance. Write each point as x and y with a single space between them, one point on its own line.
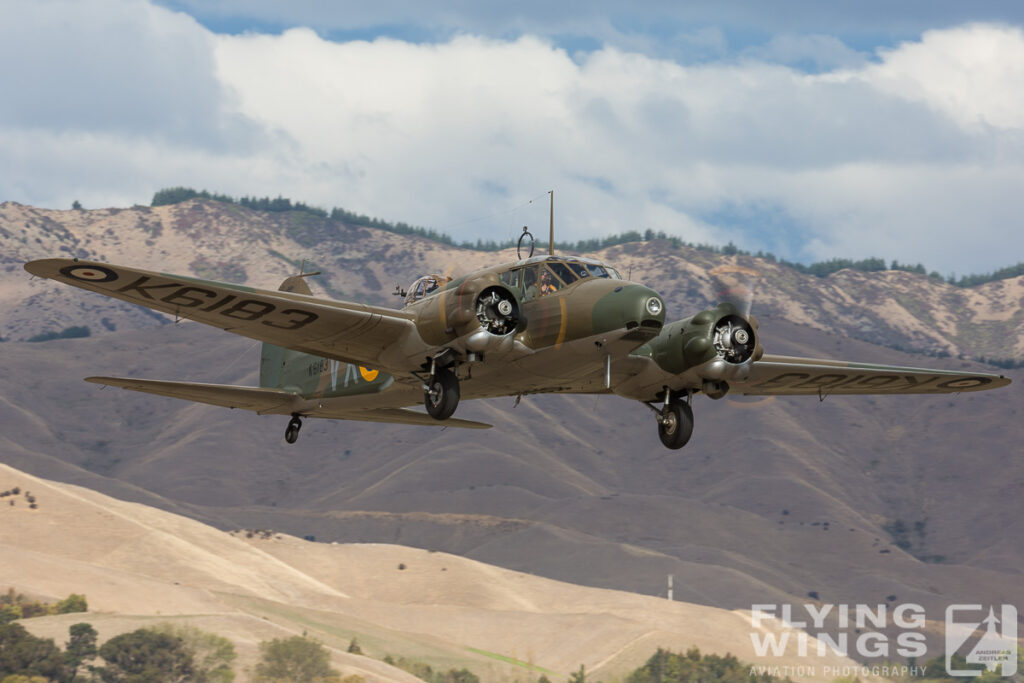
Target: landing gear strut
441 396
291 433
675 422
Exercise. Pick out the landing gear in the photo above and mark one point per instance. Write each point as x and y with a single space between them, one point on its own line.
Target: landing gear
442 394
675 423
291 433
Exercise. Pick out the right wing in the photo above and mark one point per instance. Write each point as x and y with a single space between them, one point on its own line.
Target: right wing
791 376
354 333
275 402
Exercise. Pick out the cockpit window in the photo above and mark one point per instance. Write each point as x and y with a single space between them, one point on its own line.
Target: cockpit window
579 269
564 273
425 286
597 271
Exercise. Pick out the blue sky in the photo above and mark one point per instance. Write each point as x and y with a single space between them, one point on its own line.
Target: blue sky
810 129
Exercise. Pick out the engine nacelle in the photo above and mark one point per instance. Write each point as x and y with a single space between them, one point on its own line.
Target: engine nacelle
471 316
714 346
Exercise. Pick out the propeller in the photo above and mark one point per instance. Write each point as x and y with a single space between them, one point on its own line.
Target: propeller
736 285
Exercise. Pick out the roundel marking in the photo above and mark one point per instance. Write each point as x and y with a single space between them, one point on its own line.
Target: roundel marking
368 375
967 383
89 273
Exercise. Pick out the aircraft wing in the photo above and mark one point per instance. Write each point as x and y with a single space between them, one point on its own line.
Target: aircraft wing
355 333
274 402
788 375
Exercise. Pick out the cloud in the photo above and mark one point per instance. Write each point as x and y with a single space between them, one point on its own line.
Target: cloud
913 154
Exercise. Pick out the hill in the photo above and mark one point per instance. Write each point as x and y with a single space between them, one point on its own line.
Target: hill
874 499
139 566
207 238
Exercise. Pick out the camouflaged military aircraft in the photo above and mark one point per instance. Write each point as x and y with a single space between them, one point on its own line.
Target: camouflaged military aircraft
544 324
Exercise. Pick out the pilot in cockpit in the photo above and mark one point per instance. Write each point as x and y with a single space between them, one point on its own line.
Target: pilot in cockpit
547 283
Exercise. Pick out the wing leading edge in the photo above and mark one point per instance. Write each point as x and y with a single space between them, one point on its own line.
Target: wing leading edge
355 333
791 376
275 402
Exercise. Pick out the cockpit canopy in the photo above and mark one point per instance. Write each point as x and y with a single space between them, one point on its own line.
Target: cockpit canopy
424 286
543 275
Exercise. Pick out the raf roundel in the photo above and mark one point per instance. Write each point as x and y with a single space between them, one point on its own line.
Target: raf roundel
89 273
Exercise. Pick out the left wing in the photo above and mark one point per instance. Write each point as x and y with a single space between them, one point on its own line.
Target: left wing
275 402
788 375
354 333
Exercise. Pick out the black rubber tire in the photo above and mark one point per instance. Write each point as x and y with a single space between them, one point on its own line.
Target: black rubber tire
445 400
291 433
677 427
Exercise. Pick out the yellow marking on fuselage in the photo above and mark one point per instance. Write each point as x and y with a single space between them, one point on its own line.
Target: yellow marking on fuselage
368 375
563 322
441 303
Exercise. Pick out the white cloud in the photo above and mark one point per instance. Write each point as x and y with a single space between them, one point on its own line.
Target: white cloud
897 157
974 74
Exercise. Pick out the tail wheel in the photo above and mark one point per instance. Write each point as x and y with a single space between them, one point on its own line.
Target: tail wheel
442 394
291 433
675 424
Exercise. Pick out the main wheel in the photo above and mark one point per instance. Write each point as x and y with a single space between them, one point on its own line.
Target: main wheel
676 424
442 397
291 433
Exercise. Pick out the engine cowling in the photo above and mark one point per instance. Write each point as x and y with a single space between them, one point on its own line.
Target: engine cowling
471 316
713 346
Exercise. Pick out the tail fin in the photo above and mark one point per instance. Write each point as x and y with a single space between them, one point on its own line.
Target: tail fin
274 358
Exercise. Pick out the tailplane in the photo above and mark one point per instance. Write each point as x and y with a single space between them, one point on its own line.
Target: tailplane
274 359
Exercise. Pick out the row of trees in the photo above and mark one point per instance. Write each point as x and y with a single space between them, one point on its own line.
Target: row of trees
165 653
14 605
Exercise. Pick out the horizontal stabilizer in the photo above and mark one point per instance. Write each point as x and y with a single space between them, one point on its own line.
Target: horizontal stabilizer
226 395
276 402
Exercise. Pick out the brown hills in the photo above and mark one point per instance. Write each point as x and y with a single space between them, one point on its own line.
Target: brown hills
139 566
874 499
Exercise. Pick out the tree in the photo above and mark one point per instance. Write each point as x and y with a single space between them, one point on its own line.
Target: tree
80 647
296 660
9 613
212 655
353 647
76 205
72 603
578 676
21 653
145 656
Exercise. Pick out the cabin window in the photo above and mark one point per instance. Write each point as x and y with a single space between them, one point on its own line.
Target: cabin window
530 289
511 278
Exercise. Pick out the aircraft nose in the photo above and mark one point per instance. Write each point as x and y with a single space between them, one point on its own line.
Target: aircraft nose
630 306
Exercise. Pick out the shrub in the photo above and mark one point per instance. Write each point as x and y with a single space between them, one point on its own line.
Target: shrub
72 603
294 659
145 655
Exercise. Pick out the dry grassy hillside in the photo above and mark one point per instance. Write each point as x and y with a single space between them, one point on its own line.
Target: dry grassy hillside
139 566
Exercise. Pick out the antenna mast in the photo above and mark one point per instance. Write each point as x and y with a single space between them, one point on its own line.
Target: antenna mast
551 218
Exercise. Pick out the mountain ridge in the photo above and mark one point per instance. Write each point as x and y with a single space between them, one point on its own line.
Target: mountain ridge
211 239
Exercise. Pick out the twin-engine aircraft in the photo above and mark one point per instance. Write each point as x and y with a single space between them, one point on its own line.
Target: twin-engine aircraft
545 324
